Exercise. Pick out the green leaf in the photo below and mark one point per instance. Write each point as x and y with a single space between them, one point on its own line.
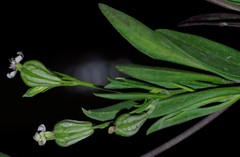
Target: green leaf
235 1
36 90
138 95
211 56
172 46
110 112
188 114
148 106
123 83
197 84
143 38
3 155
167 76
193 100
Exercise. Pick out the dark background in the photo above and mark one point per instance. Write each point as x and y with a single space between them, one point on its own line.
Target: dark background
76 39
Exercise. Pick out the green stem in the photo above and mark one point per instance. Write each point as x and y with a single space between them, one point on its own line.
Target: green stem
49 135
91 85
87 84
77 82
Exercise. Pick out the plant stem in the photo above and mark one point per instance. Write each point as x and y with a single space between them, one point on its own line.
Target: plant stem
91 85
87 84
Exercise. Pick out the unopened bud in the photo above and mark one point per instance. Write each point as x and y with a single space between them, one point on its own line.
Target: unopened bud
127 124
34 74
68 132
40 79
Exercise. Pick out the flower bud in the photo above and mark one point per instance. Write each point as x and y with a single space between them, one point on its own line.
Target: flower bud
34 74
127 124
68 132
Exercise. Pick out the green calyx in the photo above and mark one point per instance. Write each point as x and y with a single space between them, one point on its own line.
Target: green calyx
40 79
127 124
68 132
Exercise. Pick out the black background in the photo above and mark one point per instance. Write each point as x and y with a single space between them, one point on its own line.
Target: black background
66 36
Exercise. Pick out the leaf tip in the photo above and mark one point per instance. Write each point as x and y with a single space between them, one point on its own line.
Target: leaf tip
86 112
102 6
148 132
27 95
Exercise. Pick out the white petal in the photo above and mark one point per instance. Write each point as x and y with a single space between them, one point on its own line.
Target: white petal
11 74
42 142
42 128
36 137
20 53
19 57
39 137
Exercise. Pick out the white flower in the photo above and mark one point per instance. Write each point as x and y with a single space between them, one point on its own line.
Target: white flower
40 135
13 63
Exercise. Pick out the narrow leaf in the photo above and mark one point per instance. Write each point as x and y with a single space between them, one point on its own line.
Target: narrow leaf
181 48
186 115
211 56
138 95
36 90
195 99
144 38
167 76
123 83
110 112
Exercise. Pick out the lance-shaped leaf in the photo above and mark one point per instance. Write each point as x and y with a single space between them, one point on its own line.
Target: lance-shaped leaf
193 100
123 83
166 77
138 95
36 90
181 48
188 114
212 56
143 38
110 112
